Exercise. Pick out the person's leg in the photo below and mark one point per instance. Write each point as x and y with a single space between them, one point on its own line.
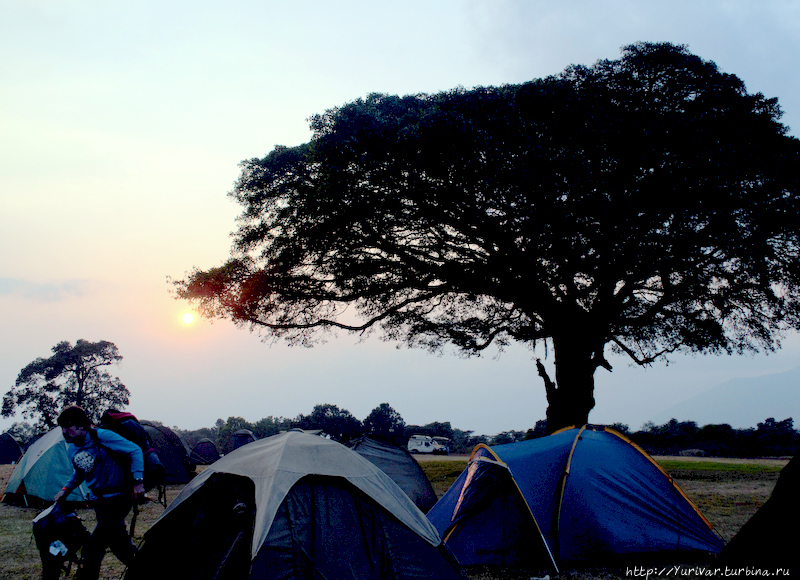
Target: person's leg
119 541
92 554
110 532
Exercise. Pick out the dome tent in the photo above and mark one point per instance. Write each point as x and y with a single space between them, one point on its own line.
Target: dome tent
10 450
290 506
398 464
242 437
204 452
595 496
171 451
41 472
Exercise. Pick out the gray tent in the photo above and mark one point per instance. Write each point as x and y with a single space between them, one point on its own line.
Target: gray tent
172 452
204 452
242 437
398 464
293 506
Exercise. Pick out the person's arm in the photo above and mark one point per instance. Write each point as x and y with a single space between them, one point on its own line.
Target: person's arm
119 444
74 481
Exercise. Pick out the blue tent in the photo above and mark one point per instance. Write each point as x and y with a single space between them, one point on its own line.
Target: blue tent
593 495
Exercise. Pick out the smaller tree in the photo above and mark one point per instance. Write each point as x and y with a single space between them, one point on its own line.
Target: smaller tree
192 437
338 423
463 442
538 430
622 428
22 432
225 431
777 437
507 437
72 376
269 426
386 423
435 429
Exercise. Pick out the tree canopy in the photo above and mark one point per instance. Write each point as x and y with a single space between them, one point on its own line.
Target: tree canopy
340 424
386 423
644 206
73 375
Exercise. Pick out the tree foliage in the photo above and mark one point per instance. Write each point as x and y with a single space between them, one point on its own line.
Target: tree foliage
73 375
23 431
770 438
386 423
340 424
226 430
645 205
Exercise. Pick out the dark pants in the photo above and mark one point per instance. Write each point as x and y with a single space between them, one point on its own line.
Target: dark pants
109 533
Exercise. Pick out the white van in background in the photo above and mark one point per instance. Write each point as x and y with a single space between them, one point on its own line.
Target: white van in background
420 444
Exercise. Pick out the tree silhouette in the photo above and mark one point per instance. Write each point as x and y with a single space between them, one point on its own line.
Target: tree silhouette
72 376
386 423
642 206
338 423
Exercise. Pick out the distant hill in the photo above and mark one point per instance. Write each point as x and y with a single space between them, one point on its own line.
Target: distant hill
741 403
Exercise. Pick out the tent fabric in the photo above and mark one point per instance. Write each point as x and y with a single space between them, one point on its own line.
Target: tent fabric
484 520
398 464
293 506
599 494
172 452
242 437
276 463
10 451
204 452
596 497
42 471
765 541
31 441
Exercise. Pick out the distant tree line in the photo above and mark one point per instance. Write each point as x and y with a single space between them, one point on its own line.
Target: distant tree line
768 439
383 422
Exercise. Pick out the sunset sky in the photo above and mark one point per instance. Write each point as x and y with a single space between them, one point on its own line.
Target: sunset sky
121 128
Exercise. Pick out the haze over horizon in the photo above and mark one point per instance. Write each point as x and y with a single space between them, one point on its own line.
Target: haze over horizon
123 126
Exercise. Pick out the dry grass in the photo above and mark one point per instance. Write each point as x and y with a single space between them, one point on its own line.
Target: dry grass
727 492
19 558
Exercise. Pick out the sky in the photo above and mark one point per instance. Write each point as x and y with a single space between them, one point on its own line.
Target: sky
122 125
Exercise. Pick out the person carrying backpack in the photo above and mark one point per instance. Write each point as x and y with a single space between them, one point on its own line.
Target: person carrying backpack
127 425
113 469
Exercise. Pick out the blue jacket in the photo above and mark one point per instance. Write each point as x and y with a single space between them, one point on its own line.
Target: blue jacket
103 461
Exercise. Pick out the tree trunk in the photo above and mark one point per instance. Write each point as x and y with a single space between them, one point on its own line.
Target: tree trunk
571 398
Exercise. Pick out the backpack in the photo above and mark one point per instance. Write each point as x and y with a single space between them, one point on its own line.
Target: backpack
126 425
59 535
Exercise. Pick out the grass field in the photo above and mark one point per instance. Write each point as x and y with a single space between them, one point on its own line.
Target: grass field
728 492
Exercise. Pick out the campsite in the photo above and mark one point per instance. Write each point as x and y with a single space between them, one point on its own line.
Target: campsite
727 491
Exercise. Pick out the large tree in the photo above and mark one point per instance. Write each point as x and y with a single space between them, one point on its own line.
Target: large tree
386 423
73 375
644 206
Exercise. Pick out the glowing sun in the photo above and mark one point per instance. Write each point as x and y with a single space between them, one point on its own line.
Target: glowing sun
187 318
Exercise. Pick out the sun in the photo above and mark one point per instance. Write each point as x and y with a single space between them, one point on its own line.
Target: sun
187 318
